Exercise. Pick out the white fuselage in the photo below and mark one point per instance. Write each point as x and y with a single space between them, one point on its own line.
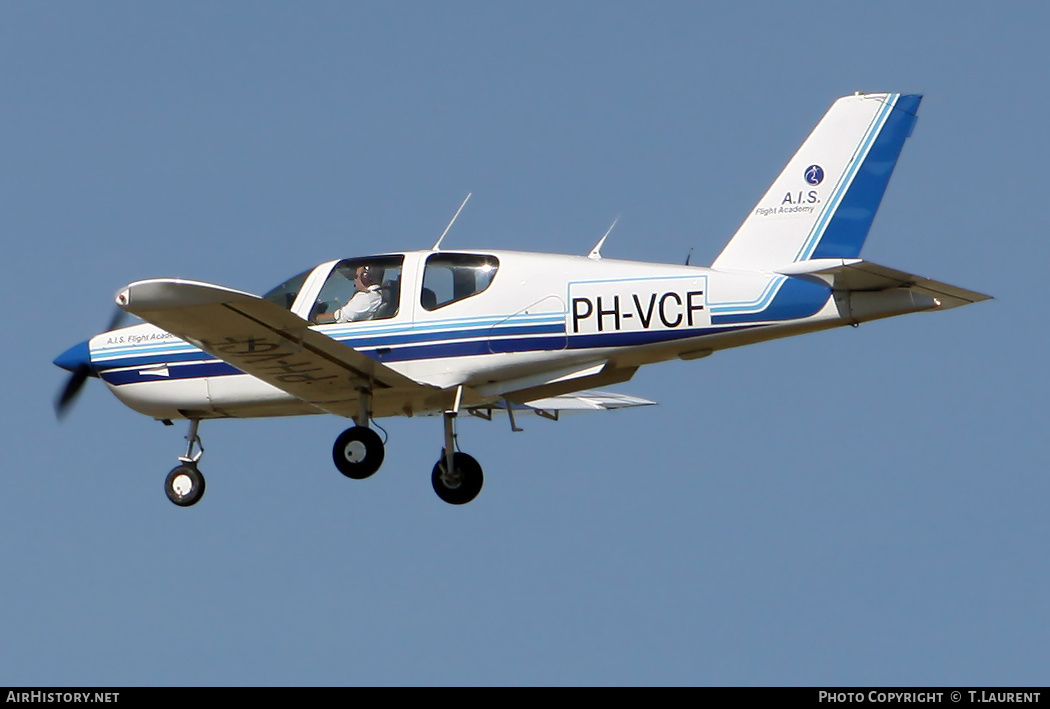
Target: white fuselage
542 319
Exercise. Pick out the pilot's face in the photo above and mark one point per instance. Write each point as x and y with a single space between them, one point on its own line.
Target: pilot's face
360 279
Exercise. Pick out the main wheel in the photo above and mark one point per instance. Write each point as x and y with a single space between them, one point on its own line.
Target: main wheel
358 452
184 485
463 485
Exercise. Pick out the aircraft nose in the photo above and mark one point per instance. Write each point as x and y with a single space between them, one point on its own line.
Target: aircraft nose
76 357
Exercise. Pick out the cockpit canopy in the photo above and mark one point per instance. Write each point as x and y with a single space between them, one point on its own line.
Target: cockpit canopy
375 281
286 293
377 277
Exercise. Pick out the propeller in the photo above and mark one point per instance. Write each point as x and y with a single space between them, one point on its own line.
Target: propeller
71 390
77 360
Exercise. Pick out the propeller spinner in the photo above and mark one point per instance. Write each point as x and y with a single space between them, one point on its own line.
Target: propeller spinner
77 360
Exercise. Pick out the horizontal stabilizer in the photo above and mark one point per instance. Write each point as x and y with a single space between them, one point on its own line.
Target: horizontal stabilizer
586 401
859 275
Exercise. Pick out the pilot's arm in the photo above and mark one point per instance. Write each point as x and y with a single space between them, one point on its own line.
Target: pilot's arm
362 306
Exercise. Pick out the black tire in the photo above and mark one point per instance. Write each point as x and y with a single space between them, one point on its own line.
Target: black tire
358 452
184 485
468 485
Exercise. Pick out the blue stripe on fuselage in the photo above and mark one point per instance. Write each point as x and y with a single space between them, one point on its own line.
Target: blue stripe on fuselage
794 299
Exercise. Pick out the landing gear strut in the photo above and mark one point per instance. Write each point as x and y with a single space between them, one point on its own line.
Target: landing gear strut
358 451
461 485
185 484
457 477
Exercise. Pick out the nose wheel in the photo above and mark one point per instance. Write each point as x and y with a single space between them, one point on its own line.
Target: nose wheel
184 485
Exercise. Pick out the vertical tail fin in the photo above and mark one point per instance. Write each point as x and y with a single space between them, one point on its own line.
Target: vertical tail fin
823 203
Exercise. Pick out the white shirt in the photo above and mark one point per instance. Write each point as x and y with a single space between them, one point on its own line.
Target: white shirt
362 306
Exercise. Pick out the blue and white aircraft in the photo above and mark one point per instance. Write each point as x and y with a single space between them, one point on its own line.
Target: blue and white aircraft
482 331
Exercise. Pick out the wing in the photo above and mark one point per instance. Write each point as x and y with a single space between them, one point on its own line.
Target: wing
265 340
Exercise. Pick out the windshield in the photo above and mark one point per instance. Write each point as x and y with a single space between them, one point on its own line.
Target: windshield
284 295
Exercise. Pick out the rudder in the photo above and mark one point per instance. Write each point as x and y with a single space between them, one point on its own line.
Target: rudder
823 203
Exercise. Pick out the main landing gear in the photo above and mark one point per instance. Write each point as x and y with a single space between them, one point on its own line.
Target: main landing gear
185 484
358 452
461 485
457 478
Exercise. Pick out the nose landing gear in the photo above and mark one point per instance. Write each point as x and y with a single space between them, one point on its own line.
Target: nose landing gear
185 484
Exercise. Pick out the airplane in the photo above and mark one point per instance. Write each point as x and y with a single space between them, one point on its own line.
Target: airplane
481 331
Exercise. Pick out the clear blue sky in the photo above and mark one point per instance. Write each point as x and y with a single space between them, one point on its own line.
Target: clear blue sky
853 507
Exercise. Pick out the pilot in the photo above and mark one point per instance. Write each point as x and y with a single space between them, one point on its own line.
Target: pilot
366 299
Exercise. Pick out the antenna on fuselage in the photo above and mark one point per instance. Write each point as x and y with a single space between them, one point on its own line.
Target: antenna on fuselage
596 252
436 246
688 256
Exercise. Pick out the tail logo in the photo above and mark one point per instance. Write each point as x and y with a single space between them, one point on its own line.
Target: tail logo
814 174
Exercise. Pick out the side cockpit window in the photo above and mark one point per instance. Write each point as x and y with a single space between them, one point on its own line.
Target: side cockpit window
360 289
285 294
449 278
